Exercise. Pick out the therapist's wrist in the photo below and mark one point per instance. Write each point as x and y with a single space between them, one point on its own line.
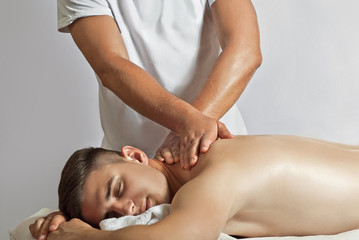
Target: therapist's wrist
181 116
193 121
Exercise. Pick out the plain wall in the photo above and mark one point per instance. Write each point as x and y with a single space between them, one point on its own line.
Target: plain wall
307 85
308 82
48 107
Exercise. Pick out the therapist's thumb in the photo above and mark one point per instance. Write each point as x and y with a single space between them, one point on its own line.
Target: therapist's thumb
223 132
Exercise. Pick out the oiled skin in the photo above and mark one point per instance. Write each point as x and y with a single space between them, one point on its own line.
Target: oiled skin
248 186
286 185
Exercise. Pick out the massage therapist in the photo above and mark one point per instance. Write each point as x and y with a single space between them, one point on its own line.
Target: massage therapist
169 72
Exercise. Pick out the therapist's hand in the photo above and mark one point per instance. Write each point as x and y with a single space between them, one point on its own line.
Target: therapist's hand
169 152
41 228
201 134
195 138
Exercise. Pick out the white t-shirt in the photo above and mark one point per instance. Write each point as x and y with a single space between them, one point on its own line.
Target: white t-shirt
173 40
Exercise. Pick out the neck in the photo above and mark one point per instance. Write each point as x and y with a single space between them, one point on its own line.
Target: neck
175 175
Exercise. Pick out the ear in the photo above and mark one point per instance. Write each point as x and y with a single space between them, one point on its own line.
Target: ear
134 154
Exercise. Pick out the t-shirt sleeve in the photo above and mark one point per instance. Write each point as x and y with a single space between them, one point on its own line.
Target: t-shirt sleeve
211 2
70 10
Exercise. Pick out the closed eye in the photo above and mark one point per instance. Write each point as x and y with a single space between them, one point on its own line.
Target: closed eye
112 214
119 190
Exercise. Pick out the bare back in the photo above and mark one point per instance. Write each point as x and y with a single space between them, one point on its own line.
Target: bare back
274 185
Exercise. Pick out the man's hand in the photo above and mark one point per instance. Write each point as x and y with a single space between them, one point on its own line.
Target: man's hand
195 139
41 228
72 230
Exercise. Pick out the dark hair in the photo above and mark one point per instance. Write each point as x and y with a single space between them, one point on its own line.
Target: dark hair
73 177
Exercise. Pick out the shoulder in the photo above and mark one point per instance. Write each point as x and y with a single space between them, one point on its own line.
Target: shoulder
205 202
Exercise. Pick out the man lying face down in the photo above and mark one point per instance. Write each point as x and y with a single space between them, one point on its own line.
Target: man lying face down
246 186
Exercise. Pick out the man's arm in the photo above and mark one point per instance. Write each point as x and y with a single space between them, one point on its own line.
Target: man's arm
199 210
100 41
237 30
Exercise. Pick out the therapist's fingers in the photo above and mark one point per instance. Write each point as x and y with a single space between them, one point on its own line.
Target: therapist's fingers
169 151
209 138
223 132
189 152
206 142
175 153
158 155
167 156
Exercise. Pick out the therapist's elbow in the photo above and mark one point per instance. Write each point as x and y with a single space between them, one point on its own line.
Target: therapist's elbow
252 58
109 70
249 57
105 77
257 59
243 51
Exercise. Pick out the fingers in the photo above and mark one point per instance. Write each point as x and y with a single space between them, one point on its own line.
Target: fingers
223 132
175 151
208 139
196 140
169 152
36 227
206 142
43 229
158 155
55 222
167 155
189 152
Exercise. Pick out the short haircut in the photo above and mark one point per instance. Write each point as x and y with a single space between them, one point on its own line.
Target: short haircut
74 175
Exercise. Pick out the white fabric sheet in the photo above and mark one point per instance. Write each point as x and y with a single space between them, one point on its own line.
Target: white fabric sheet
21 231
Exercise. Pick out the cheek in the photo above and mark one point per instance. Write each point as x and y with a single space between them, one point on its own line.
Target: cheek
92 213
157 185
143 182
147 183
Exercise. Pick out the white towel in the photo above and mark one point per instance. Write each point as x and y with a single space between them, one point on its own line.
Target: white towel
151 216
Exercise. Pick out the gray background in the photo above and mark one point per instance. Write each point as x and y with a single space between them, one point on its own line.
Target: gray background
307 85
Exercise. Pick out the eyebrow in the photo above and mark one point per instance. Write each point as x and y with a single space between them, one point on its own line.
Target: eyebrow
109 184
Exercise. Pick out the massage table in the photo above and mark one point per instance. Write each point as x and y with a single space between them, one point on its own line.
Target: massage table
154 214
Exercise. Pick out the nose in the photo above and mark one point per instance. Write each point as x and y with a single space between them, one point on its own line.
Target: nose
124 207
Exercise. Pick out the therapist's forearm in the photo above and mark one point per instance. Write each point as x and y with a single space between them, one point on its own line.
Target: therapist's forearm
238 33
227 81
100 41
144 94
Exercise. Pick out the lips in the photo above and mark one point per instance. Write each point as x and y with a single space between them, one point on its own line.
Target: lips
146 205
